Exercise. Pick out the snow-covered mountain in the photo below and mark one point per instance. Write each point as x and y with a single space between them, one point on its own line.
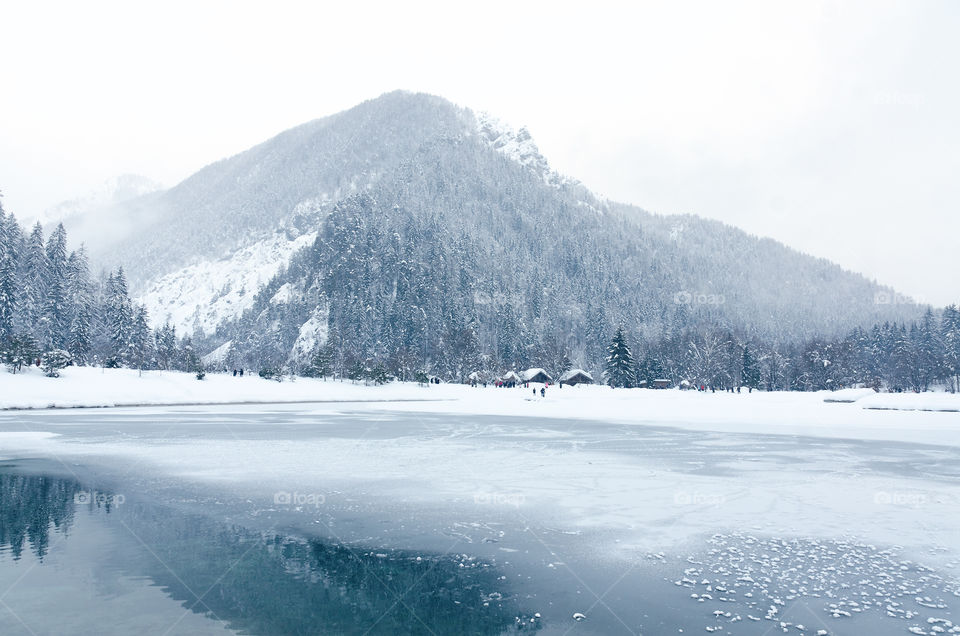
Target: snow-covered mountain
407 206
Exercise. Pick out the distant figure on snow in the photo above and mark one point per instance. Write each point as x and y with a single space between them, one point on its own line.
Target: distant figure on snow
543 391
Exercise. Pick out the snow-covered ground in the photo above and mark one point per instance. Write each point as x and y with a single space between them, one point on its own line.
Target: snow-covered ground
932 418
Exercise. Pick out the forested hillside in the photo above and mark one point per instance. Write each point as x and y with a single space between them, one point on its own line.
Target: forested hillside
411 233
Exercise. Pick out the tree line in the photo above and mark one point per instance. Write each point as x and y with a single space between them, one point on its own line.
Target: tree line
54 313
894 356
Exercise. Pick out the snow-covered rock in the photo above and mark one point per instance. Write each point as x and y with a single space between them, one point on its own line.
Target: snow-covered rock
205 294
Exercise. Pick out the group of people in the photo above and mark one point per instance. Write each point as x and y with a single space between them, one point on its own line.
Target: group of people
728 389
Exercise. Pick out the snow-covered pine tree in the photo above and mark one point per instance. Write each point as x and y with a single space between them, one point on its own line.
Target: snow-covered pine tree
930 351
750 369
950 338
33 280
56 306
141 352
8 299
621 370
120 319
166 342
80 299
78 343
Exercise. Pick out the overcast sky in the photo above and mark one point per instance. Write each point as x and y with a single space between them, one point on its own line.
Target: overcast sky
831 125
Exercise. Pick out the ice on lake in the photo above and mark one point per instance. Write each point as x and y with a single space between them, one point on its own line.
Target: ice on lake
633 529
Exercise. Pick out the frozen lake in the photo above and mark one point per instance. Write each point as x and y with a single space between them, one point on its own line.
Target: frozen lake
357 519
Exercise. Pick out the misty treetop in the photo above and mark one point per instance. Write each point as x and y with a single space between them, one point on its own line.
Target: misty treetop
53 312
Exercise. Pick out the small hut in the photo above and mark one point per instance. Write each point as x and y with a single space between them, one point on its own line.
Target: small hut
536 375
574 377
661 383
510 379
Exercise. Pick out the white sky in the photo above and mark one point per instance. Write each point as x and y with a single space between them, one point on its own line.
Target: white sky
831 125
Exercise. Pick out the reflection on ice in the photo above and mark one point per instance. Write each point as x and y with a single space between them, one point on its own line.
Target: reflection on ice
261 583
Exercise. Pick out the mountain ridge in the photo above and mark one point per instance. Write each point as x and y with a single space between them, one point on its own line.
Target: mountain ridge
276 197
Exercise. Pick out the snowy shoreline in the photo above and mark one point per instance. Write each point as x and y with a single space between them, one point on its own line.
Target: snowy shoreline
851 414
139 405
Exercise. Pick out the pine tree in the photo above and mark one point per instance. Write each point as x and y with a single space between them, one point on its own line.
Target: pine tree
930 351
33 277
55 325
79 339
119 320
320 363
166 342
141 350
750 369
8 299
621 370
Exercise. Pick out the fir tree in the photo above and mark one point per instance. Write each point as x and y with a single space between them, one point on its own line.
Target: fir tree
119 319
750 369
8 299
33 277
79 339
141 348
621 370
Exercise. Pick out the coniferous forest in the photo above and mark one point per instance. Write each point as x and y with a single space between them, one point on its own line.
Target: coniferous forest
54 312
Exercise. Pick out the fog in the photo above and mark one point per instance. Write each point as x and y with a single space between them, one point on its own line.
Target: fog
827 125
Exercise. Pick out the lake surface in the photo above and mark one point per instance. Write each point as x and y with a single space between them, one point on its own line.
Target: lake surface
218 521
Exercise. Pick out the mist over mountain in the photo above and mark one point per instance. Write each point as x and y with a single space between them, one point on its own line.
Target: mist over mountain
97 215
408 226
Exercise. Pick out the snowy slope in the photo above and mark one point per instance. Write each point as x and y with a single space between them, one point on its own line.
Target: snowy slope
205 294
199 252
518 146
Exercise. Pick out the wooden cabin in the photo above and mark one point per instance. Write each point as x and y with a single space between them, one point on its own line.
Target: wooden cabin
536 375
510 378
574 377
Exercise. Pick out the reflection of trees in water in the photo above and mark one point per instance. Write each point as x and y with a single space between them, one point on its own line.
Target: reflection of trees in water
279 585
29 506
272 584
